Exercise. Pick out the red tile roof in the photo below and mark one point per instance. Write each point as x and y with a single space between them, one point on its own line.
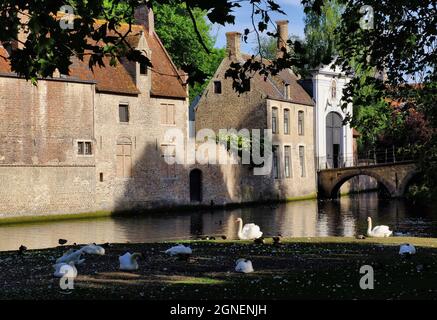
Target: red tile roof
166 81
108 79
273 87
5 66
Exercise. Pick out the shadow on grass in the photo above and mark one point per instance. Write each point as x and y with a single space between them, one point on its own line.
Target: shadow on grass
293 270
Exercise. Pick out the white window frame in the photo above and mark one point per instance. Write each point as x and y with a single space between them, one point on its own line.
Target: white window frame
84 141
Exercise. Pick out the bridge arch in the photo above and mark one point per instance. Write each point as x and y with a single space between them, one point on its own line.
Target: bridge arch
394 177
391 190
409 178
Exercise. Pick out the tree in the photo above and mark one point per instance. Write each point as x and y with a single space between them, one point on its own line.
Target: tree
398 37
321 39
267 47
173 24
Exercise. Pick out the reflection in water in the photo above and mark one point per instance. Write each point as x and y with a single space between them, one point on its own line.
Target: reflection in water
346 217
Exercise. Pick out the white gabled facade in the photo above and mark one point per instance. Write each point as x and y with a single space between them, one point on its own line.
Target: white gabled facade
333 140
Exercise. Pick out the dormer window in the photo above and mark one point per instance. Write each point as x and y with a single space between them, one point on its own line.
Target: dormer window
287 92
143 69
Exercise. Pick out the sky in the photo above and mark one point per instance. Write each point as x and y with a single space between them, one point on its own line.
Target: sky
295 16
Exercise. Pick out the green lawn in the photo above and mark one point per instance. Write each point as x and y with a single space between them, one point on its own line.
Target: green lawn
301 268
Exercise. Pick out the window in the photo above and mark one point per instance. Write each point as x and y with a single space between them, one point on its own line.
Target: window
124 160
302 160
334 89
168 154
143 69
287 161
123 113
275 120
217 87
286 121
300 123
275 162
287 93
168 114
84 148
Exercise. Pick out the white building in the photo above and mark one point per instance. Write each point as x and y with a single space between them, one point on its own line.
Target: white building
334 143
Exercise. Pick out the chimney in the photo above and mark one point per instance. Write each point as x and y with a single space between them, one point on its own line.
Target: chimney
144 16
283 36
233 44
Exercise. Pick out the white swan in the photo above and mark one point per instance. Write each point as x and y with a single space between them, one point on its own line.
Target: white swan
250 231
178 250
71 256
378 231
93 249
407 249
244 266
128 262
65 270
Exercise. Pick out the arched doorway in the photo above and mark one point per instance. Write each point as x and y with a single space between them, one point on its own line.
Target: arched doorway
334 140
196 185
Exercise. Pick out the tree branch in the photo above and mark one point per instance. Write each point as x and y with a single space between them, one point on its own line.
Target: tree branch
196 29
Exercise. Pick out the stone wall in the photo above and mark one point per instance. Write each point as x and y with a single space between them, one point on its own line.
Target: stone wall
230 109
42 190
148 185
40 170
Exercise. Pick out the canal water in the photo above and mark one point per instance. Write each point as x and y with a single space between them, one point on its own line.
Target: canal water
345 217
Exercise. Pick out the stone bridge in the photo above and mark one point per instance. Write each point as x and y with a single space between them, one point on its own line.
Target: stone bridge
394 177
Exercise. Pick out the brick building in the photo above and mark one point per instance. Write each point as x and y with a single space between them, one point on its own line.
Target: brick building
92 140
280 103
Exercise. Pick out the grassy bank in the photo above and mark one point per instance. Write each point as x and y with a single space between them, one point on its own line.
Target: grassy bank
312 268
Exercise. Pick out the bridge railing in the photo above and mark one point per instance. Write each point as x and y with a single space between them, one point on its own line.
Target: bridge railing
366 158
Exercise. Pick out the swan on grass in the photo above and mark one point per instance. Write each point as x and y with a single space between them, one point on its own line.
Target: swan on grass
179 250
250 231
244 266
93 249
71 256
67 270
128 262
407 249
378 231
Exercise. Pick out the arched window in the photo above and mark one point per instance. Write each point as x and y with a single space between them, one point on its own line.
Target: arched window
300 123
334 89
275 120
286 121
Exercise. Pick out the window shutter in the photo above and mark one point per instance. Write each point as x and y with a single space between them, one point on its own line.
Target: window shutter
173 114
163 114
